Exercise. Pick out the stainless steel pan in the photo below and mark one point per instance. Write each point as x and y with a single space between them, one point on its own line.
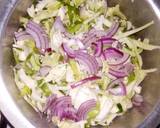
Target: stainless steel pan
21 115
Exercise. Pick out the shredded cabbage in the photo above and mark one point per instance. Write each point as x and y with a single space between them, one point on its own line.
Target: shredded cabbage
81 94
82 20
131 32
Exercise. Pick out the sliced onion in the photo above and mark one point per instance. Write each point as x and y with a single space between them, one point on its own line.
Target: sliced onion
113 29
38 30
41 30
120 61
112 54
61 107
35 37
70 113
83 81
92 37
23 35
63 101
117 91
137 100
85 108
88 41
37 26
88 61
117 73
70 52
17 34
44 70
98 50
39 35
115 57
49 102
100 61
88 35
128 67
122 70
117 44
107 40
97 33
58 25
137 104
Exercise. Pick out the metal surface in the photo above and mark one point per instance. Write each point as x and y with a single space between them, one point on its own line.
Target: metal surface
21 115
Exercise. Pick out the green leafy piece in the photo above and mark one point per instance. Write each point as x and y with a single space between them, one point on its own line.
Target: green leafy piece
144 45
97 5
92 114
103 83
64 2
78 2
75 69
64 83
26 91
32 64
28 70
131 78
74 27
48 24
74 16
44 87
16 56
30 44
84 27
131 32
115 11
119 106
46 90
45 14
34 60
51 60
40 82
55 6
34 2
23 21
134 60
87 125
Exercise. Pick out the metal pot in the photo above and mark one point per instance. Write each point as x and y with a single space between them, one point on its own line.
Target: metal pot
21 115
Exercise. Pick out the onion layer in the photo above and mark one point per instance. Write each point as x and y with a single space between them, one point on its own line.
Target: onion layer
58 25
83 81
121 70
39 35
85 108
137 100
119 90
88 61
113 29
115 57
23 35
61 107
70 52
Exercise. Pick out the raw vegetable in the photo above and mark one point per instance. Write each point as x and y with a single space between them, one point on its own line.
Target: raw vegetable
78 63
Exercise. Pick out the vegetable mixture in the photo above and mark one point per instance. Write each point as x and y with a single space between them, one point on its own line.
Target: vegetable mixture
78 61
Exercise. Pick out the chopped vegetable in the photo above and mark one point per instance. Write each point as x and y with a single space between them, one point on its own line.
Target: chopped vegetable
78 63
120 108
